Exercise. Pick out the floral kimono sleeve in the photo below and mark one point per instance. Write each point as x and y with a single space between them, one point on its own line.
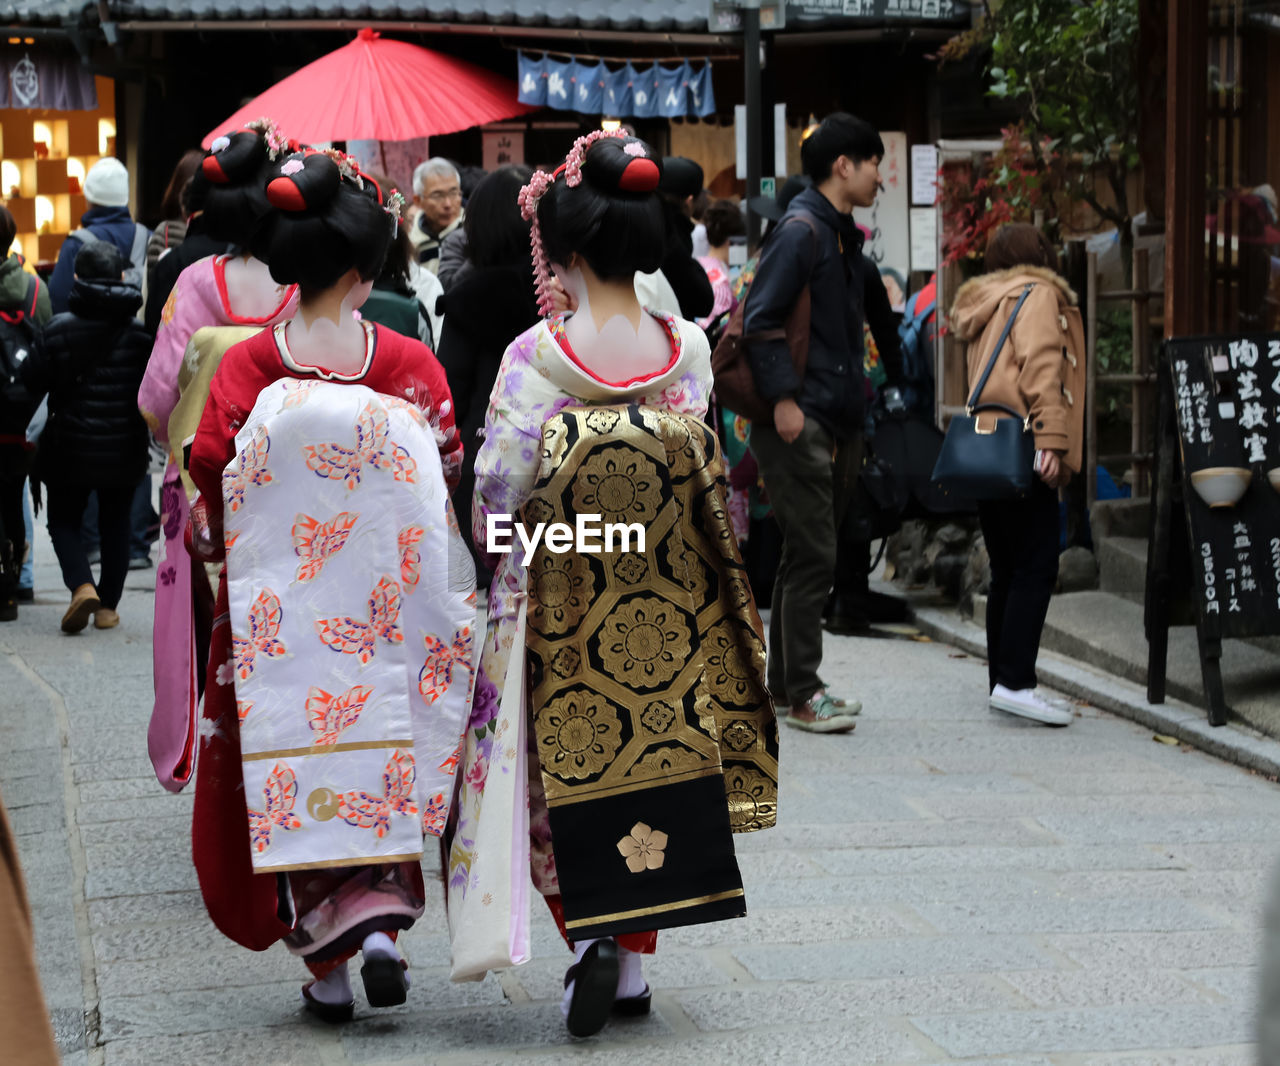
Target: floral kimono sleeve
507 463
690 394
432 396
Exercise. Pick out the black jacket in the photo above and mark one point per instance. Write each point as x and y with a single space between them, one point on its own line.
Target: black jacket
832 264
90 360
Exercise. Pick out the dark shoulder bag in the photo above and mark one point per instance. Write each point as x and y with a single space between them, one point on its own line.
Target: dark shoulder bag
994 463
735 384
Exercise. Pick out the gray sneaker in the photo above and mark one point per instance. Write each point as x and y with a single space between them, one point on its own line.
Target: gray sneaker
820 714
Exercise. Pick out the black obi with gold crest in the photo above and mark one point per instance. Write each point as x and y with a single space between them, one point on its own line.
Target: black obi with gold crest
655 733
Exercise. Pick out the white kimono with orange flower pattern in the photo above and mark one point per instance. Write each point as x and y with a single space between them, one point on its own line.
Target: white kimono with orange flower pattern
352 610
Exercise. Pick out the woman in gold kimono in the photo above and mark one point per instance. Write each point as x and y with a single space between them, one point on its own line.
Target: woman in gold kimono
650 735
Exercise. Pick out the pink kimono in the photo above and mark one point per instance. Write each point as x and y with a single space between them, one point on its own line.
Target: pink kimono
198 299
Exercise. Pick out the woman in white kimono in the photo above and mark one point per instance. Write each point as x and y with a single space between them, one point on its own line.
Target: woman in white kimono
341 667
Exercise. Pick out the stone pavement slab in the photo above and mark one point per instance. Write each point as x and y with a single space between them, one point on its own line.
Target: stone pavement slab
944 885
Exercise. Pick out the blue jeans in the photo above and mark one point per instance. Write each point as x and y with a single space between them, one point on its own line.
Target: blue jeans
26 579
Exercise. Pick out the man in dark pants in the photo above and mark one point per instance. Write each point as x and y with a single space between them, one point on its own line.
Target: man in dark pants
810 456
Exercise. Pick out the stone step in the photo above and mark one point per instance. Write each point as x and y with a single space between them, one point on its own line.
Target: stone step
1120 518
1106 631
1122 566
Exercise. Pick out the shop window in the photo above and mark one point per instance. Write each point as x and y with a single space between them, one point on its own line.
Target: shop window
46 157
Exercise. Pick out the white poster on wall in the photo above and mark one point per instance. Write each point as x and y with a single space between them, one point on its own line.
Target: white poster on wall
924 239
888 243
924 175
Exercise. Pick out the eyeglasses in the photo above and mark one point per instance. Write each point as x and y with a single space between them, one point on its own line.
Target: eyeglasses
441 195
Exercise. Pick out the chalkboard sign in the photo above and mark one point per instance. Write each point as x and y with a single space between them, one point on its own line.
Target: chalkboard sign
1220 400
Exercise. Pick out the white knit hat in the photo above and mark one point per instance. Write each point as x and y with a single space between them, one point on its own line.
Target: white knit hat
107 183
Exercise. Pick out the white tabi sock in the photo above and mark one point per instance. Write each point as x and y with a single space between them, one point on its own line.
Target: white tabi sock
334 989
579 949
631 982
380 945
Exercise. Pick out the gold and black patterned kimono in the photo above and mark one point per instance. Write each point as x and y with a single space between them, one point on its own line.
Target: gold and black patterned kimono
655 733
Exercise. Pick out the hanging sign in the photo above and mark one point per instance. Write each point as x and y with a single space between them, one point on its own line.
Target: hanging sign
589 86
500 148
834 12
726 16
46 80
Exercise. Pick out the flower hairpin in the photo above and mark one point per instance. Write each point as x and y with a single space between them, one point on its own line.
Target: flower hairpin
220 144
347 166
277 142
571 168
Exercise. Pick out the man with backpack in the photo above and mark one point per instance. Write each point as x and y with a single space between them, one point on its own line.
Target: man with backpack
106 188
24 307
809 456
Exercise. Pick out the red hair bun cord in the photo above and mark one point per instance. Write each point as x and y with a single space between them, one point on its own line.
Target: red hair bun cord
640 175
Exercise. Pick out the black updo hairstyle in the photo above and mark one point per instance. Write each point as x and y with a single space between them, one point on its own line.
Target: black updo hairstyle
229 188
323 223
613 217
497 234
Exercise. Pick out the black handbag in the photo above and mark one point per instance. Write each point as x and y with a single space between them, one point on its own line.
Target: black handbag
994 463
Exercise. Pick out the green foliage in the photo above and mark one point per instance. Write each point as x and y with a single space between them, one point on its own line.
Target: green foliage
1069 66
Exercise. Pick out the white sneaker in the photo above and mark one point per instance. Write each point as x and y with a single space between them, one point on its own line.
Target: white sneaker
1029 703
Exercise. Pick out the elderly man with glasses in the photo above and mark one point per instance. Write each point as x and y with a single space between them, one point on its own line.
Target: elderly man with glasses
437 192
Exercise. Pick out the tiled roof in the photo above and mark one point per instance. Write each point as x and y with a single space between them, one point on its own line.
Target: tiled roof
43 12
682 15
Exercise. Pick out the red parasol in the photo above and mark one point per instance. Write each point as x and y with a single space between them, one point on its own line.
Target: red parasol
383 90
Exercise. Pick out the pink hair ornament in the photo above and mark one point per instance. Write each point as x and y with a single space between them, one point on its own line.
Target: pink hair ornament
571 168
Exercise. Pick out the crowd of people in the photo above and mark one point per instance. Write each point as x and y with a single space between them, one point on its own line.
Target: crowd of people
348 381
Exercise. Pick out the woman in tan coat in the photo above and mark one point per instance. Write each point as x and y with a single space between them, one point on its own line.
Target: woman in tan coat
1039 374
26 1034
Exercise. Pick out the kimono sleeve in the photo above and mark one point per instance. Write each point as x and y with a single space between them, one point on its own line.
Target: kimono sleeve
507 463
232 394
431 395
158 393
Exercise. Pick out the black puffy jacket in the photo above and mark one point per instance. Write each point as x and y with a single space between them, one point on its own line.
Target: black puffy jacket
90 360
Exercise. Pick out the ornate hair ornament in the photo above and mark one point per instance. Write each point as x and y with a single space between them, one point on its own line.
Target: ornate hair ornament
277 143
640 176
347 166
395 208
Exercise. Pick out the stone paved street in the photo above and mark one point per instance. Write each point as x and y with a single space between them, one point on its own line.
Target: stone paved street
944 885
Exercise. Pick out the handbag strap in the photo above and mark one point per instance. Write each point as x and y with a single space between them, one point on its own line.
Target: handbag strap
991 363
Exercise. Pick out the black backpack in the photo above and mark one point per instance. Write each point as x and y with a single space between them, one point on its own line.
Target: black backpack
18 332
